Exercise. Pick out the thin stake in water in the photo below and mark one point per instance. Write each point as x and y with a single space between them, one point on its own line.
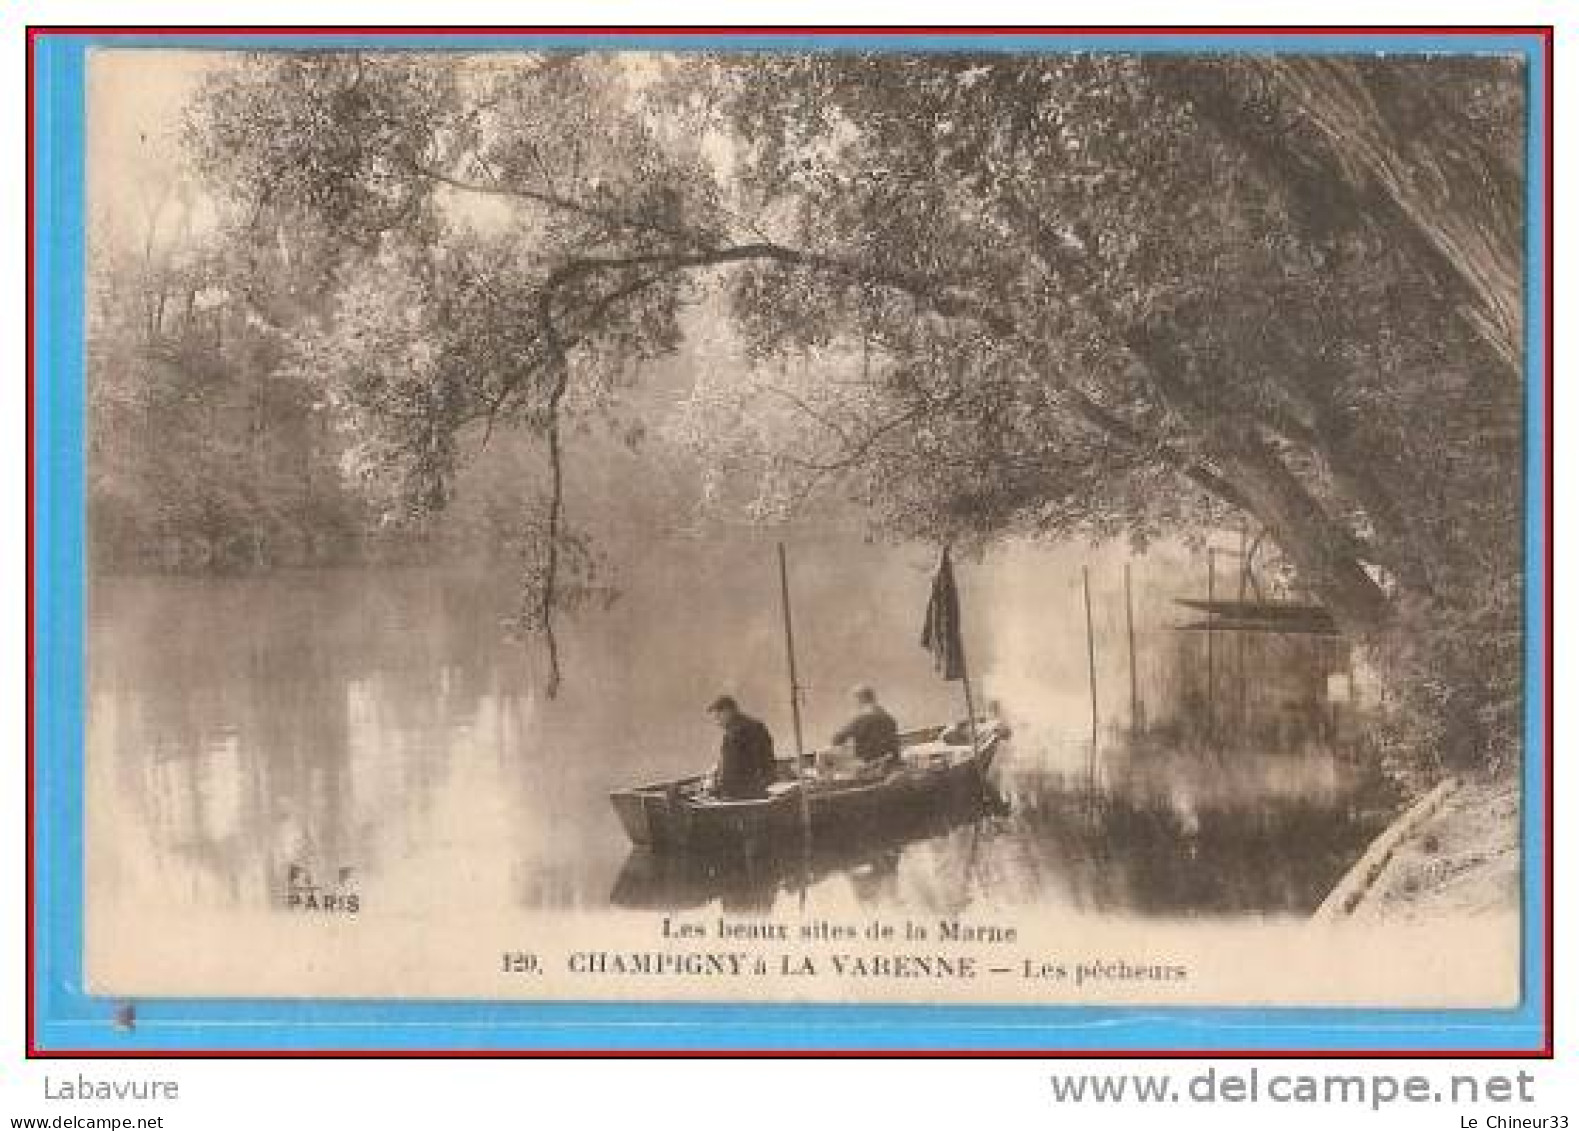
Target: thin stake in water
1137 717
1091 662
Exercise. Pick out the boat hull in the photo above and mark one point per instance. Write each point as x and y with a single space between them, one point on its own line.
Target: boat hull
659 818
674 816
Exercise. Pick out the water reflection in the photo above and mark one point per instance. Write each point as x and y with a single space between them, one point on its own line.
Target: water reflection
381 720
1045 839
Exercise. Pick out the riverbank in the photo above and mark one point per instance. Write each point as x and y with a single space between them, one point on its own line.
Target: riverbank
1456 851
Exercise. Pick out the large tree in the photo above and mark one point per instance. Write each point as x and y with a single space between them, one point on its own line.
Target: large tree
1060 293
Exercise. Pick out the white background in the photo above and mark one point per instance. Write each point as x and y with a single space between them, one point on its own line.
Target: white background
745 1094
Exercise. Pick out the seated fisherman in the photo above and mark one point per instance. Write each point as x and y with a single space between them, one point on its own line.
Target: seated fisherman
873 732
745 756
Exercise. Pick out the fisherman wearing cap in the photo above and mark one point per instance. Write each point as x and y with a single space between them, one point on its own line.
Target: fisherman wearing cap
872 732
745 757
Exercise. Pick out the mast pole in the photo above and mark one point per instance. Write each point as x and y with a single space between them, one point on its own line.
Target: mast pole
789 652
800 744
964 667
970 702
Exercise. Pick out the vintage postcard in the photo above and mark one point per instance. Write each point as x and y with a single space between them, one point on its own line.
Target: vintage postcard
809 524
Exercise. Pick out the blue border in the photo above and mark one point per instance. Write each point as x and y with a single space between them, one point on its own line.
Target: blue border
70 1019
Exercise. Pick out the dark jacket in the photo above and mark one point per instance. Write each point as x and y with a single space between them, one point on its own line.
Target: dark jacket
875 734
745 760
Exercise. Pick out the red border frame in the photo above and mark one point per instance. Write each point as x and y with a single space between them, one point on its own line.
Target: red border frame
1546 1050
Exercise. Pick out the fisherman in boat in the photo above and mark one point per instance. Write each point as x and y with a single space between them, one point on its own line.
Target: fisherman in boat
745 757
872 732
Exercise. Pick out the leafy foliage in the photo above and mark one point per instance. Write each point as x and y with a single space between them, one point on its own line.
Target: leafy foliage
1066 295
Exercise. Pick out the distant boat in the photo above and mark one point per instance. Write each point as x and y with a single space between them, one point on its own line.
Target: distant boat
937 767
1259 616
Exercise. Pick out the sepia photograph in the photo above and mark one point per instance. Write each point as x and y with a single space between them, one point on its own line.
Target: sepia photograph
807 524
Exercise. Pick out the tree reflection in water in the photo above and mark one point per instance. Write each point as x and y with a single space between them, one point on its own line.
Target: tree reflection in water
381 719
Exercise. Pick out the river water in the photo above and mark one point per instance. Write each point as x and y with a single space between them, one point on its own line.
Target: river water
381 719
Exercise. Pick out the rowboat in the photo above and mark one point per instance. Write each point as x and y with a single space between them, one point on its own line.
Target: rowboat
938 766
866 854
